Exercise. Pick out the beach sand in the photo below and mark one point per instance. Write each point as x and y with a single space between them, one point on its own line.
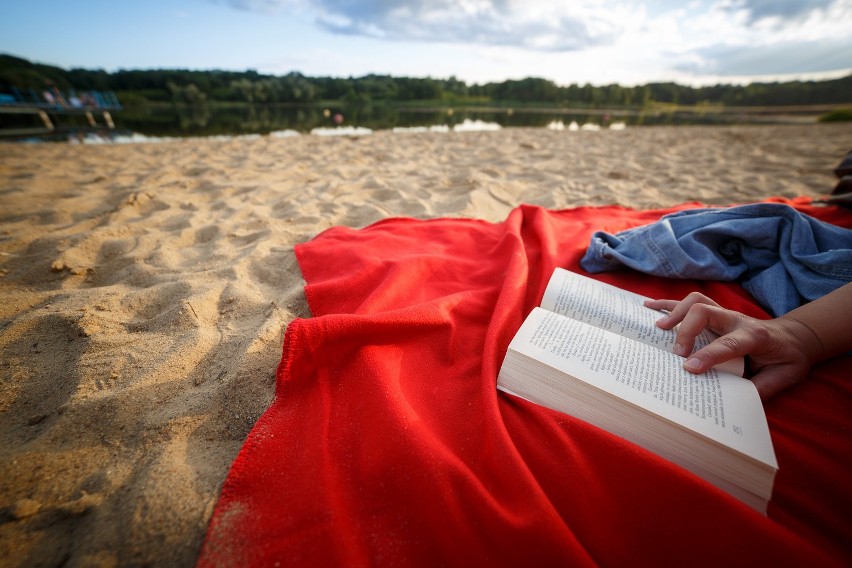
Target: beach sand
145 288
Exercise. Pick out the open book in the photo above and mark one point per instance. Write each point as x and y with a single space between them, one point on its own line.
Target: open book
593 351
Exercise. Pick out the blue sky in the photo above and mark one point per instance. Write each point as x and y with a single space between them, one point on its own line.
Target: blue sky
569 41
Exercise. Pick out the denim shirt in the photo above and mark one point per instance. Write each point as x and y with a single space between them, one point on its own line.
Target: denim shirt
782 257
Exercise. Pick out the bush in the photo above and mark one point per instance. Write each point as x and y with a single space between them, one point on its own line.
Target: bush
837 115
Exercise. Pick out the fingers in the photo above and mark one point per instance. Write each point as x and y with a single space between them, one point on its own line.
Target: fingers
739 342
702 316
678 309
667 305
667 321
778 353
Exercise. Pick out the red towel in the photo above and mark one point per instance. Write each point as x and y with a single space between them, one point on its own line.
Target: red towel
388 444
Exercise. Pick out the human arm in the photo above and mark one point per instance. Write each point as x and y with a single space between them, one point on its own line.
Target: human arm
780 350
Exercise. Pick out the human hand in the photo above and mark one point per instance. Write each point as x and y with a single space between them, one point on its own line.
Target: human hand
780 351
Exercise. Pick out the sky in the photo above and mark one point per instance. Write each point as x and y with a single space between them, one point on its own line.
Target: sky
630 42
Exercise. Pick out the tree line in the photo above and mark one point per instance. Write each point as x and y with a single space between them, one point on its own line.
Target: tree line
199 87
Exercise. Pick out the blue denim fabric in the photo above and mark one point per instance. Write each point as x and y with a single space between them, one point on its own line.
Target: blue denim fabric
782 257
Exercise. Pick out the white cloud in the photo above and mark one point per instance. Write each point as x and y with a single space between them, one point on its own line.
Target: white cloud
539 26
777 10
607 39
762 38
533 24
776 59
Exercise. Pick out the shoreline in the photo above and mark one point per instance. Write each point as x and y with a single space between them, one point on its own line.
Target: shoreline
223 120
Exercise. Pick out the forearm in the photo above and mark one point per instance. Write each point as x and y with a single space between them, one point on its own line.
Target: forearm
825 325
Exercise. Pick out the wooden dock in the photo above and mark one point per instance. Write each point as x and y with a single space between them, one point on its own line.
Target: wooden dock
95 107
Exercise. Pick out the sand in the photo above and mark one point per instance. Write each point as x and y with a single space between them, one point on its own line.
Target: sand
144 290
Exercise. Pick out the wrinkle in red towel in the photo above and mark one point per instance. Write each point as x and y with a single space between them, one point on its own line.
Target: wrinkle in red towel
388 444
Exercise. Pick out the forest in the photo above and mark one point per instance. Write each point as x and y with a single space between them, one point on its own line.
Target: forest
140 87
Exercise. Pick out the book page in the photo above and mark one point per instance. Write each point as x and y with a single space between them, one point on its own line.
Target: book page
619 311
719 405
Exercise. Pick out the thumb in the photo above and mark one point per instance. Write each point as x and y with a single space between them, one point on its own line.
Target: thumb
773 379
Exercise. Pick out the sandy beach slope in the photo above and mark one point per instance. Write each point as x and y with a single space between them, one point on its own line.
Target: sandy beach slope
144 290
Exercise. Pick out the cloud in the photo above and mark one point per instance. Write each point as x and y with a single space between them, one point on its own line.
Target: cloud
495 23
773 37
782 10
261 6
780 59
723 38
537 25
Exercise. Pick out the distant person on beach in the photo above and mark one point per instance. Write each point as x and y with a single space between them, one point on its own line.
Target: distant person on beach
779 351
54 96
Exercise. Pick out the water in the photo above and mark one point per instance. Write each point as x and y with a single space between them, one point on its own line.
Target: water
155 121
244 119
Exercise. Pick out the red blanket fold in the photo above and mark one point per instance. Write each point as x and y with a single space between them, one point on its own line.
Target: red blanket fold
388 444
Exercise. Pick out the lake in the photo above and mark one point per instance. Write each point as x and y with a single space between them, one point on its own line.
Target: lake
166 120
244 119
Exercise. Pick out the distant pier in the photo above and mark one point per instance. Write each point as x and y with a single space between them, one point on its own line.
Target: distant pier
54 111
